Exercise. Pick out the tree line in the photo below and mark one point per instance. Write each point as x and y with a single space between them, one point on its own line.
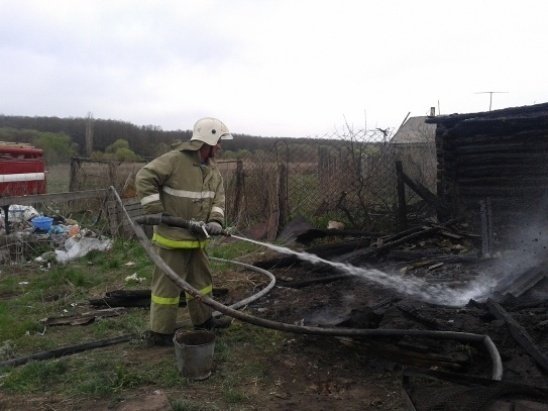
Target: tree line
63 138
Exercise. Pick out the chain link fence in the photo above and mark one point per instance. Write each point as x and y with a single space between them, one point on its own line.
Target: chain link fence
349 179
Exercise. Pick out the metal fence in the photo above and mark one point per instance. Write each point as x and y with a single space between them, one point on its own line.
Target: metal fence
345 179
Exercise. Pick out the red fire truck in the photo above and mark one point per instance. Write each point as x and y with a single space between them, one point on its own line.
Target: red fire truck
22 171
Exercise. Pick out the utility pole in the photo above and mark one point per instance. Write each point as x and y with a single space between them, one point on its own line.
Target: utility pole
89 135
491 96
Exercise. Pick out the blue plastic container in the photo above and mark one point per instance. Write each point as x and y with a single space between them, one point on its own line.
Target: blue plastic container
42 223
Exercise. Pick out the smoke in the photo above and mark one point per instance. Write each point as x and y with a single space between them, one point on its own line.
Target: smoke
526 247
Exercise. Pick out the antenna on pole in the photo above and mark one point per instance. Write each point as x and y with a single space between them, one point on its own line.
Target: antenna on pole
491 96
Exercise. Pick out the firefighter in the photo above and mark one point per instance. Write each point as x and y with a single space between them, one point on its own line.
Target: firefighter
186 183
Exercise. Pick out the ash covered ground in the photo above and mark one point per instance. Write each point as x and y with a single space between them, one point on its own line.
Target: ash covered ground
429 278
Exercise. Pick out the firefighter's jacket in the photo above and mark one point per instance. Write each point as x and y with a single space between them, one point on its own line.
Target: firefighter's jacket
177 184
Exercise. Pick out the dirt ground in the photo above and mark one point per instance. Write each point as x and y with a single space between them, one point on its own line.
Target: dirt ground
309 372
386 369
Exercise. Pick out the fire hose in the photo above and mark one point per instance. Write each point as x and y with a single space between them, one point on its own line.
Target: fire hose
198 227
496 371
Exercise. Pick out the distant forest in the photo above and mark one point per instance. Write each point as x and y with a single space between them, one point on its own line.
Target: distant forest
146 141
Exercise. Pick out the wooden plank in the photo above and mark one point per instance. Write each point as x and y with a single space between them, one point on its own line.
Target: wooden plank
402 206
519 333
118 220
82 318
59 352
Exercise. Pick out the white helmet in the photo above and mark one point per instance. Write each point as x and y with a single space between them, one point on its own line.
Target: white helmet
210 131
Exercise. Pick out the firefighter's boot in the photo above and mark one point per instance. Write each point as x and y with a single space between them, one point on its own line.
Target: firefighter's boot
214 324
154 339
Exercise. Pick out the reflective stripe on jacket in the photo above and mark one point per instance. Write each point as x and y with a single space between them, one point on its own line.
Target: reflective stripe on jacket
183 244
177 184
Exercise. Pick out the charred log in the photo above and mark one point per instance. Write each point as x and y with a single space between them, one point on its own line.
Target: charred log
519 333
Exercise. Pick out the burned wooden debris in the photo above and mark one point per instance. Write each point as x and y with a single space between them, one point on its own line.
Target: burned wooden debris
68 350
82 318
449 391
138 298
445 254
497 159
519 333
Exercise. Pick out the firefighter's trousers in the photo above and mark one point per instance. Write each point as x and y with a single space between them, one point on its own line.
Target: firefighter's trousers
192 265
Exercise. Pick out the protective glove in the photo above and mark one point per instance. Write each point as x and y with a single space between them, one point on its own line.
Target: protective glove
196 227
214 228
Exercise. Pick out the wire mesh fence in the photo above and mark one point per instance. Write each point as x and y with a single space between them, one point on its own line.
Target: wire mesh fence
87 174
74 220
346 179
350 179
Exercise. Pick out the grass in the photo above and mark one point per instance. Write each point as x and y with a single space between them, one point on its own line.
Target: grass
32 293
58 178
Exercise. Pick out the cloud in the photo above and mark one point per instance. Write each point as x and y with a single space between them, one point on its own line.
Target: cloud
268 67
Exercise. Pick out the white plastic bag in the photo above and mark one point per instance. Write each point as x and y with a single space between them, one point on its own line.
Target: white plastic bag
79 247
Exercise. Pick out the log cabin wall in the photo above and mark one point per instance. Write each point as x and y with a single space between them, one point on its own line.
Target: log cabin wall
497 159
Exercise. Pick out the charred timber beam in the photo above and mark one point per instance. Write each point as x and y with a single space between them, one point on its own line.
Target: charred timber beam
530 193
60 352
501 169
519 333
532 392
320 280
394 353
532 111
495 146
421 190
402 205
416 315
358 255
525 158
526 162
315 233
504 181
502 136
328 250
401 234
509 125
412 256
82 318
138 298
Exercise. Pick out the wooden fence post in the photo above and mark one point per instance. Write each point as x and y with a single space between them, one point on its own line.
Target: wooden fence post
238 193
283 195
74 172
402 207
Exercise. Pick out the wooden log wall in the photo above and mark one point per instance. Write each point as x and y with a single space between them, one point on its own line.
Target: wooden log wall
500 157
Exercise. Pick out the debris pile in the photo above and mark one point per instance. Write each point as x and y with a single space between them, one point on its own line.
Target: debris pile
502 295
58 238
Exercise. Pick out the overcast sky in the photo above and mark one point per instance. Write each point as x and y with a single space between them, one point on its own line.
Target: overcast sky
270 67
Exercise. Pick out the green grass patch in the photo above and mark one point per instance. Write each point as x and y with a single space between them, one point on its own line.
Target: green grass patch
112 372
35 377
58 180
106 375
231 249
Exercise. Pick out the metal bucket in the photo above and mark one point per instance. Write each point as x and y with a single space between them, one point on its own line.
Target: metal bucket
194 353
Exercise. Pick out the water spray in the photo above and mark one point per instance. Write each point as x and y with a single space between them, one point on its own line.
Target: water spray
413 286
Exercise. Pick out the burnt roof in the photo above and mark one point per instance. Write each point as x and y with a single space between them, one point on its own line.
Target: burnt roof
536 110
